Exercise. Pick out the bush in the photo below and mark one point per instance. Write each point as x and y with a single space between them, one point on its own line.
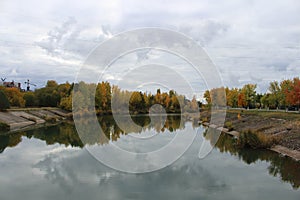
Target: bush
229 126
3 126
204 119
4 102
50 119
30 99
256 140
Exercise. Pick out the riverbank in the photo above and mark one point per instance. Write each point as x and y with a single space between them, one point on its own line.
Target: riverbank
285 127
24 118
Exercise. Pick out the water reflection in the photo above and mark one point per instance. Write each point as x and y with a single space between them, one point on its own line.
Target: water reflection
65 134
186 180
285 168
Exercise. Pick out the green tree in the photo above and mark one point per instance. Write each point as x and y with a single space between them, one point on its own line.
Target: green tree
136 103
4 102
30 99
51 94
276 95
249 91
265 100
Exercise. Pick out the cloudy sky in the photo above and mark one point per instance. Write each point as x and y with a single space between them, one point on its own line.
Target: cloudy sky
249 41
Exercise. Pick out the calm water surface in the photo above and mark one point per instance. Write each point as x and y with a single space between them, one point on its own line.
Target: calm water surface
52 163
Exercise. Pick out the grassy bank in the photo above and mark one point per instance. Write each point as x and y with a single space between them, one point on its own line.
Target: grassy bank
262 129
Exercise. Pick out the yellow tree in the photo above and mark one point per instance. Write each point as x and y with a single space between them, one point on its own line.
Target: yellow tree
207 97
232 97
241 100
15 97
194 104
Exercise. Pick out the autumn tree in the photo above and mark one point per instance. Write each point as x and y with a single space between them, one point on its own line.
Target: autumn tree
297 91
66 103
241 100
287 88
158 97
193 105
249 93
207 97
103 96
218 96
232 97
15 97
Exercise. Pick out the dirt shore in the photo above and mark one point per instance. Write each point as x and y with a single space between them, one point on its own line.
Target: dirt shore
284 125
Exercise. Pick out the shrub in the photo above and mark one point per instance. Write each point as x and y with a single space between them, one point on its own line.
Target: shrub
256 140
229 126
204 119
50 119
3 126
30 99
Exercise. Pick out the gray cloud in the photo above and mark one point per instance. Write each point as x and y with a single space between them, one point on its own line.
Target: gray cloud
243 38
204 31
55 41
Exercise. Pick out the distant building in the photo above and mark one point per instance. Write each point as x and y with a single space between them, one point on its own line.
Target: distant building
11 84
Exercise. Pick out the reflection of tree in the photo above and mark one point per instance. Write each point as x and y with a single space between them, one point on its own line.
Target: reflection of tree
66 134
9 141
61 134
285 168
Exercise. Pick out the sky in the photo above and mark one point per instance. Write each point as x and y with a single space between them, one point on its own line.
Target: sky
249 41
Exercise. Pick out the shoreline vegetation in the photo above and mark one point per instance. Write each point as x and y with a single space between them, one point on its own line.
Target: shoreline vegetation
245 120
251 129
258 129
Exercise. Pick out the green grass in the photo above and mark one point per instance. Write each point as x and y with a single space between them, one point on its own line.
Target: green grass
268 114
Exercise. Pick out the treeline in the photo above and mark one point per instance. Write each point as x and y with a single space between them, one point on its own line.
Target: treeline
280 95
105 95
137 102
48 96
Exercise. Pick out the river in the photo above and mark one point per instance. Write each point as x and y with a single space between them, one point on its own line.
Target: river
53 163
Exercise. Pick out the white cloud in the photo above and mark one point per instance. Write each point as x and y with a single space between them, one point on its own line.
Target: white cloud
250 41
54 43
